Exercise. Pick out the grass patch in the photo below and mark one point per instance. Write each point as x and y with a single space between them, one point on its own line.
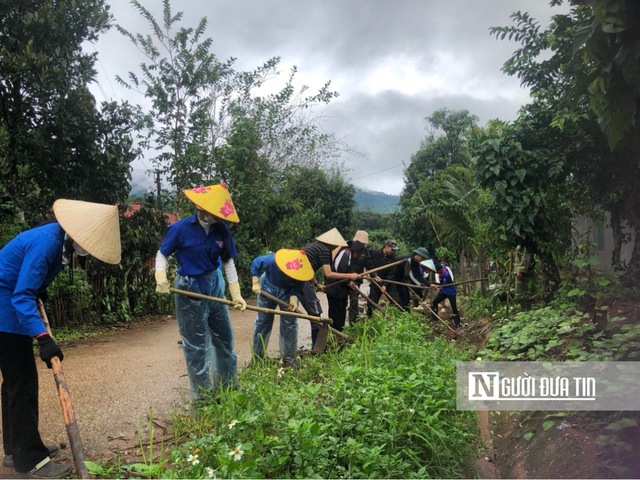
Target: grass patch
384 407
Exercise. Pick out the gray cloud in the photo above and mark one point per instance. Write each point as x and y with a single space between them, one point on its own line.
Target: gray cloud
393 63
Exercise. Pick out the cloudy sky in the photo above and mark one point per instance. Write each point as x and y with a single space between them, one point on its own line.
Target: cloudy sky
393 63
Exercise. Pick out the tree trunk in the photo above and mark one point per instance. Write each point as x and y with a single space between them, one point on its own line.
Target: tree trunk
551 276
618 238
482 270
633 270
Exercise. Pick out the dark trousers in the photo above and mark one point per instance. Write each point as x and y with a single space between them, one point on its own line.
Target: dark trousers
440 297
354 298
311 304
337 311
374 294
409 295
20 434
404 297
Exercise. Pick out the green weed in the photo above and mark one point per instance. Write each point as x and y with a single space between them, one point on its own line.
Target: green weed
385 407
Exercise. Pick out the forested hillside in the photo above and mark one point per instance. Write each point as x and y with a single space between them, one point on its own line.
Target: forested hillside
375 201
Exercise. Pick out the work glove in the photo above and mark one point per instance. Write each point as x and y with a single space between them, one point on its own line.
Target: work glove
162 284
236 297
255 285
48 349
293 303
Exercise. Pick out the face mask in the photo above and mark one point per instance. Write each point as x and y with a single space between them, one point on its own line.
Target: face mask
79 250
206 218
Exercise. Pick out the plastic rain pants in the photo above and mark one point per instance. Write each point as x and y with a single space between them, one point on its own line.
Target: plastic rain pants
264 324
207 336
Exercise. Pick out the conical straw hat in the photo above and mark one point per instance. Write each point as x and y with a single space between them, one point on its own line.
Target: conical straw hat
294 264
214 199
429 264
93 226
332 237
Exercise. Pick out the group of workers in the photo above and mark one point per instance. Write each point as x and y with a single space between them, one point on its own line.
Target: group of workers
203 247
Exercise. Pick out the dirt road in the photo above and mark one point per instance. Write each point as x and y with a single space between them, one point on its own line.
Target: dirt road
119 378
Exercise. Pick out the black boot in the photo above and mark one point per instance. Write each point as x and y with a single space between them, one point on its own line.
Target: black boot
456 320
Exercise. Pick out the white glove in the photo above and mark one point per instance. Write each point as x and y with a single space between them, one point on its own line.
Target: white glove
255 285
293 303
162 284
236 297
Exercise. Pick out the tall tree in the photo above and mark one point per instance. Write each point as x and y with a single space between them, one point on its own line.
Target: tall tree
430 214
583 72
197 100
526 203
56 138
609 49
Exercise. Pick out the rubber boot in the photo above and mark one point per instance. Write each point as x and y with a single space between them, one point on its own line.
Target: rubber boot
456 320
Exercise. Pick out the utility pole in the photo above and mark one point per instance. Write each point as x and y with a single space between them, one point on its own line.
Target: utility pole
158 190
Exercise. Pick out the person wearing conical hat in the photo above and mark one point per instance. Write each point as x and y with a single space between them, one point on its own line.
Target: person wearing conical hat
202 243
338 295
281 274
319 254
416 274
444 282
28 264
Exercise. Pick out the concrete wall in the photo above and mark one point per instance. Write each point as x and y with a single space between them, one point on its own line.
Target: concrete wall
599 233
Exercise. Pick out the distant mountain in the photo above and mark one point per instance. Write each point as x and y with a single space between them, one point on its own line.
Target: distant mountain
376 201
365 199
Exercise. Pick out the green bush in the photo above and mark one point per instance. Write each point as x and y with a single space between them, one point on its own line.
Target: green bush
70 301
560 332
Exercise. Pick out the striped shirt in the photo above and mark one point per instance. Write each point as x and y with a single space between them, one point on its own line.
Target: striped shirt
318 255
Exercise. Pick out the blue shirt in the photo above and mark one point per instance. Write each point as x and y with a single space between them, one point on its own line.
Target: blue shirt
196 251
28 264
267 264
445 279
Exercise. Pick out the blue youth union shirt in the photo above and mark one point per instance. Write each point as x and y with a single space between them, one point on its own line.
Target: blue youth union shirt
28 264
196 251
267 264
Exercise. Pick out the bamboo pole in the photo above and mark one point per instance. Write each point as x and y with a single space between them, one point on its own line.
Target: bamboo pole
251 307
299 314
67 408
387 296
373 270
371 302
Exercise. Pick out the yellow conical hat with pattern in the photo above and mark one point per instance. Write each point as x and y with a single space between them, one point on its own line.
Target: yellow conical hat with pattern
332 237
93 226
294 264
214 199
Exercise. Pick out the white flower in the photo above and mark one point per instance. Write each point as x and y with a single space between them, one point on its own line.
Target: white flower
412 411
193 459
237 453
386 399
232 423
209 472
280 372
